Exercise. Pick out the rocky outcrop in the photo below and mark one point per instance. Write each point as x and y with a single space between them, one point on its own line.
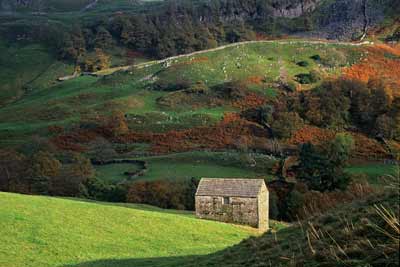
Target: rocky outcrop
233 10
332 19
15 5
348 19
295 10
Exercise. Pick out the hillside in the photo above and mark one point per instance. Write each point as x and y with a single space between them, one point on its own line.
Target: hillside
42 231
214 100
350 235
112 111
133 96
144 94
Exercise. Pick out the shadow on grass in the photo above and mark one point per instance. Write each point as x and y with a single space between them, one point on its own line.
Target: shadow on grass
187 261
245 253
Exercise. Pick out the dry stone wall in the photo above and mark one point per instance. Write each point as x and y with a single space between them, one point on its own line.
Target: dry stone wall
239 210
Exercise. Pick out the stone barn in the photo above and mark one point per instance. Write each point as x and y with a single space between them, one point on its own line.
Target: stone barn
242 201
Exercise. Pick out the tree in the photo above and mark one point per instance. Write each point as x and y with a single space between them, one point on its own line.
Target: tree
321 170
334 105
36 144
218 32
82 167
285 124
95 61
103 39
368 102
204 38
74 175
273 206
388 127
293 204
100 190
136 33
266 115
73 45
45 167
238 31
103 61
380 100
165 47
312 110
189 193
164 193
341 148
100 149
14 171
117 124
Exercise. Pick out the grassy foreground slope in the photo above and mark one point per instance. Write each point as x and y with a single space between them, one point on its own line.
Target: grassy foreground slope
43 231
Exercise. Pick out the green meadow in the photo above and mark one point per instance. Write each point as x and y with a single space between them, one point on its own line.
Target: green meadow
376 173
44 231
196 164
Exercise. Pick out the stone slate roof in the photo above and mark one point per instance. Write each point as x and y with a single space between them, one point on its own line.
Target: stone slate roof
229 187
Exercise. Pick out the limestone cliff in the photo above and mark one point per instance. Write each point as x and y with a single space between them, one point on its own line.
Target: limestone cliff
334 19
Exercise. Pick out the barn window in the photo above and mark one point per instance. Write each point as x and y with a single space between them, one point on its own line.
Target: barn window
226 200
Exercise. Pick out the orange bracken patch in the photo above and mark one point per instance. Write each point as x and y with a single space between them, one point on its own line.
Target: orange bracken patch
193 61
74 141
230 117
200 59
368 148
311 134
365 147
255 80
378 64
223 135
251 100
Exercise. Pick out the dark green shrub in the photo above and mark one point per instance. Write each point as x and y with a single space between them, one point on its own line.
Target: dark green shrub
198 88
232 90
304 78
308 78
323 169
294 202
99 190
285 124
395 37
168 86
273 206
290 86
165 194
303 63
316 57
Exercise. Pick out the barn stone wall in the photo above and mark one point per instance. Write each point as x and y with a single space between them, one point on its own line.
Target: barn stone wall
239 210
